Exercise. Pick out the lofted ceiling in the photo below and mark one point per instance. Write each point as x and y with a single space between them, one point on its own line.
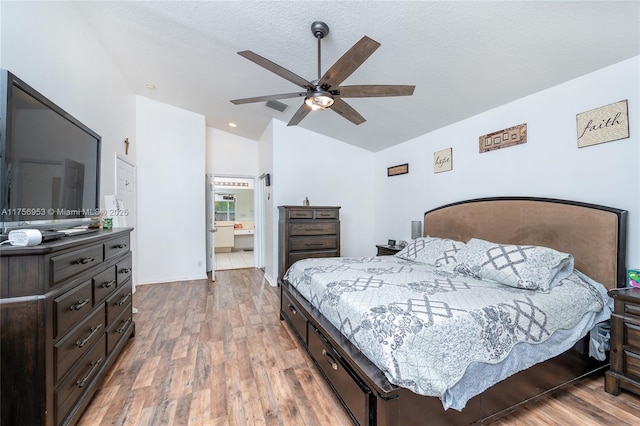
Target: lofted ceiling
463 57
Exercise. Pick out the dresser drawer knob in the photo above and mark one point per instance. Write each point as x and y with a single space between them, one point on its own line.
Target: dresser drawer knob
293 310
108 284
85 260
312 244
124 299
94 365
120 246
314 229
330 359
125 270
79 305
81 343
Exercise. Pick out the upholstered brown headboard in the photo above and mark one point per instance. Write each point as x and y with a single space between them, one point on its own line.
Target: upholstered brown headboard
595 235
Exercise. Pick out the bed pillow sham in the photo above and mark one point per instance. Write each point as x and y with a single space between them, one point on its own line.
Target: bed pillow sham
440 252
528 267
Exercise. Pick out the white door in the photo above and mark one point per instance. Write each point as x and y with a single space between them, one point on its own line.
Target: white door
126 184
211 253
126 190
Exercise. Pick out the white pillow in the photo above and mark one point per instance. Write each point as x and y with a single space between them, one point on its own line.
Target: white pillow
440 252
529 267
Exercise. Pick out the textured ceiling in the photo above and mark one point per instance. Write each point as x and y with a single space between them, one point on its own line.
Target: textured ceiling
463 57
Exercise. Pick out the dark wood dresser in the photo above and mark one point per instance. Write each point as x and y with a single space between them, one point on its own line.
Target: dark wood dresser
307 231
625 342
65 316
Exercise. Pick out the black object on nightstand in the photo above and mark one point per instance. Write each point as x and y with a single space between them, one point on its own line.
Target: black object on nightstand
386 250
625 342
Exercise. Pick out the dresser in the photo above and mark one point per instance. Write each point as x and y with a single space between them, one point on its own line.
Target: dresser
307 231
625 342
65 316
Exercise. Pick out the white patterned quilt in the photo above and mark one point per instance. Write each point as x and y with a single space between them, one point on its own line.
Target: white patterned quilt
423 327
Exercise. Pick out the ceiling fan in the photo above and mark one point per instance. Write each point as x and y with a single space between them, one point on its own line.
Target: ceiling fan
326 92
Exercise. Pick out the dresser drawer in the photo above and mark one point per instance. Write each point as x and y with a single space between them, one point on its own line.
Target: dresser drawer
71 307
118 302
86 370
117 329
313 243
313 228
356 396
327 214
291 312
116 247
294 257
69 264
104 284
68 350
632 336
299 213
123 270
631 365
632 311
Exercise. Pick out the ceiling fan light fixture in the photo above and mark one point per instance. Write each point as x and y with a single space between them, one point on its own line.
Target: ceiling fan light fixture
318 99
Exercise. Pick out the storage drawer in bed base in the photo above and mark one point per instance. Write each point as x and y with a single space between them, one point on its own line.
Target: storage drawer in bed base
355 396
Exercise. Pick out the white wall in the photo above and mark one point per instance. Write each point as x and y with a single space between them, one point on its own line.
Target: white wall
171 193
329 173
231 155
548 165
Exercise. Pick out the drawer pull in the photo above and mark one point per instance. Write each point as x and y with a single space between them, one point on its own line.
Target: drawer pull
107 284
120 246
79 305
293 310
124 299
325 214
124 326
312 244
330 359
95 364
125 270
81 343
314 229
85 260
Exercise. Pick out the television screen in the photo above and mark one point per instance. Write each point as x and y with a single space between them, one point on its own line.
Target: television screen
50 161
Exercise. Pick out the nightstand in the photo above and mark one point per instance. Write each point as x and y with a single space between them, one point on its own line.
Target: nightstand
625 342
385 250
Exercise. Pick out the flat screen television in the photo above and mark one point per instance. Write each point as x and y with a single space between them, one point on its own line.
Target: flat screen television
49 162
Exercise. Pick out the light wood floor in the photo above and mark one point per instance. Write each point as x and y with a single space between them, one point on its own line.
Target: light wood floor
217 354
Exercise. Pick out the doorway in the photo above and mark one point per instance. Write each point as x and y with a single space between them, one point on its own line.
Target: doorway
232 216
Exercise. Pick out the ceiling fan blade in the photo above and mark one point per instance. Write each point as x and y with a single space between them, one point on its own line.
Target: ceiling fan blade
268 98
299 115
275 68
375 90
347 111
349 62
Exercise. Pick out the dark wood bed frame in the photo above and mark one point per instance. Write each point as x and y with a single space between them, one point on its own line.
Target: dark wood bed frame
595 235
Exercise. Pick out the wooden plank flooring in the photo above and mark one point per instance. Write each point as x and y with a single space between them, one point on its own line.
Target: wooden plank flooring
217 354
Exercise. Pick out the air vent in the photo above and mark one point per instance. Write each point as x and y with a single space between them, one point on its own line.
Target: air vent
277 105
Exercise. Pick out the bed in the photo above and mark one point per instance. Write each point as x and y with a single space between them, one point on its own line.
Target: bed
376 366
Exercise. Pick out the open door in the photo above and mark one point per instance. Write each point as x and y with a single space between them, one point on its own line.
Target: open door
211 230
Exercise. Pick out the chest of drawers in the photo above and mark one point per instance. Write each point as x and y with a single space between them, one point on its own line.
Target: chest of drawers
307 231
625 342
66 313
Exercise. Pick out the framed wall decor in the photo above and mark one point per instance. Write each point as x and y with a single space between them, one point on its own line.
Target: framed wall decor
398 170
443 160
505 138
604 124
